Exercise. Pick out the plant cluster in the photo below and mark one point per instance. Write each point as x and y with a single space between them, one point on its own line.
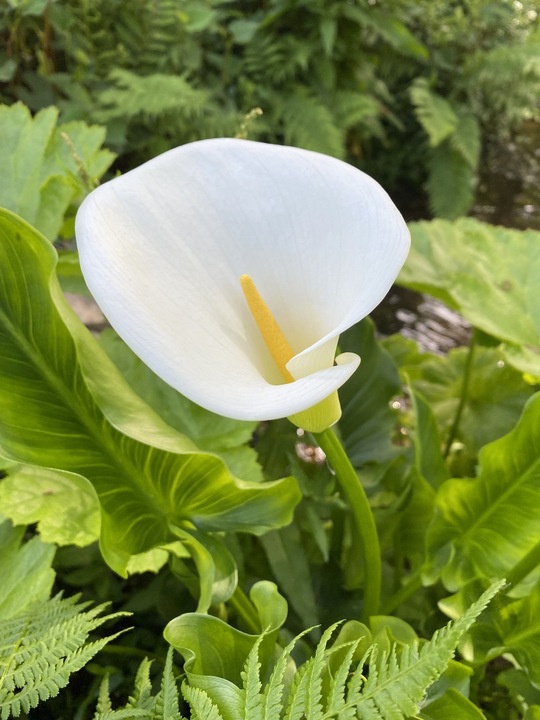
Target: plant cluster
413 92
230 546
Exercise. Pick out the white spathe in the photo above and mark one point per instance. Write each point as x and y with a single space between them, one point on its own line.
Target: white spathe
163 248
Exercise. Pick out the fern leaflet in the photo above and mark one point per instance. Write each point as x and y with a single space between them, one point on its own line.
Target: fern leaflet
251 677
150 96
451 182
142 703
42 647
434 113
202 707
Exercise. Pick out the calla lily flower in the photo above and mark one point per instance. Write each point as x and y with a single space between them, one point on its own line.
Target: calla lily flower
231 267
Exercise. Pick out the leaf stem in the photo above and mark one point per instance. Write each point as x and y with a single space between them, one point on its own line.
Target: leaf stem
413 584
463 396
362 516
245 610
525 566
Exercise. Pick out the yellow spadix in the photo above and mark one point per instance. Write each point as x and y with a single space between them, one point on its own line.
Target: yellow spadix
272 334
322 414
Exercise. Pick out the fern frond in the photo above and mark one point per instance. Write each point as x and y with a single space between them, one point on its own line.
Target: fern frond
251 677
466 139
202 707
434 113
142 703
313 705
126 713
273 692
41 648
297 696
352 108
104 705
161 37
150 96
275 60
166 706
338 685
308 123
383 686
451 182
142 691
396 685
506 82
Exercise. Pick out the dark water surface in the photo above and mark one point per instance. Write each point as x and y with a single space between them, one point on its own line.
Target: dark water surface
428 321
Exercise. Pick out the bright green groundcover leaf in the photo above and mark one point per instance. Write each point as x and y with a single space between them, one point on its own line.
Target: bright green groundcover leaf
490 274
46 166
64 405
64 505
214 433
484 527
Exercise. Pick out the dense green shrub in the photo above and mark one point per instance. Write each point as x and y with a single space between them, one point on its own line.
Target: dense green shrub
411 91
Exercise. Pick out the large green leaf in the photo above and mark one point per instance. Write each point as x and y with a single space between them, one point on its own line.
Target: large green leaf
450 706
484 527
64 405
215 652
368 421
509 626
490 274
46 166
495 398
214 433
518 627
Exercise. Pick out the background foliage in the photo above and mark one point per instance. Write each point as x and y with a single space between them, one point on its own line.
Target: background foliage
412 91
422 94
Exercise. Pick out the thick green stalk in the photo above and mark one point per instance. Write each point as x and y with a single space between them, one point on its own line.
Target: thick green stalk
525 566
463 396
362 516
245 610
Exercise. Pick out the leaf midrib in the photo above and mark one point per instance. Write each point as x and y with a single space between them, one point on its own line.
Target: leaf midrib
490 510
115 459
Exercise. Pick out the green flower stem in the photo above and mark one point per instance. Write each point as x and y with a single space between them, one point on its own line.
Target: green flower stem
525 566
362 516
463 397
